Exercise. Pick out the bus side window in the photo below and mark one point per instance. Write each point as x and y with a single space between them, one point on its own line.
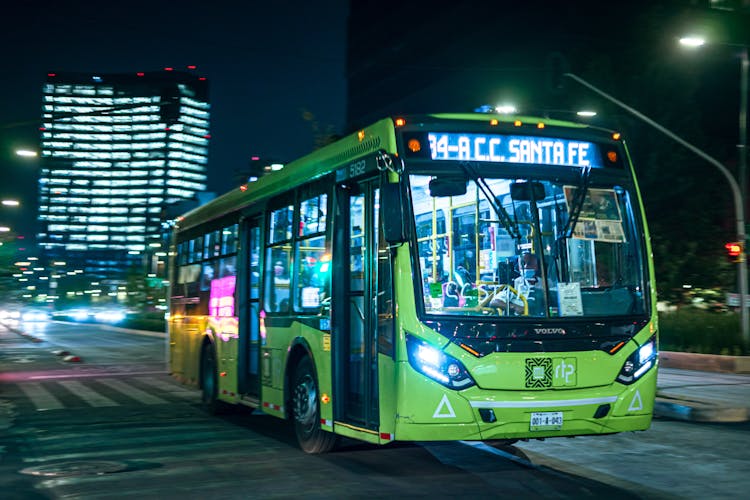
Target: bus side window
278 261
312 274
277 280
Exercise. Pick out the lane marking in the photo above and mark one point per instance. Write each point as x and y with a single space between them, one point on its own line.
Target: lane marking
41 398
133 392
88 394
173 389
92 374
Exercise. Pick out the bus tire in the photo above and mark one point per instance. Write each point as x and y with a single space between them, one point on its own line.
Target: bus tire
306 411
210 380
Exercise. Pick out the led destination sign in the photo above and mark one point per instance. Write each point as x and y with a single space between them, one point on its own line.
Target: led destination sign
514 149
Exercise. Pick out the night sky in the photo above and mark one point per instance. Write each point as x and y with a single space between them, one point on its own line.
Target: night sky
277 69
267 63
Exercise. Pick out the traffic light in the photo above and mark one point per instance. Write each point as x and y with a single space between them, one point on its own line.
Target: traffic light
735 251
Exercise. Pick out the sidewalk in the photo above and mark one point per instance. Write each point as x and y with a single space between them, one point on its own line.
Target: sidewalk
703 387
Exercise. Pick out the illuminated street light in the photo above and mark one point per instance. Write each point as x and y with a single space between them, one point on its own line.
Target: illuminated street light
27 153
692 41
10 203
586 113
4 229
506 109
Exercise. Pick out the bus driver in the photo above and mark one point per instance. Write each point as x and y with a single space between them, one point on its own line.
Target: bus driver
527 285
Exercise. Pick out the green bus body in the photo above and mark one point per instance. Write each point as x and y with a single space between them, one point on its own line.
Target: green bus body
391 357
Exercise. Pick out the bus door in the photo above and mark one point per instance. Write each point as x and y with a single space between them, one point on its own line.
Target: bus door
354 311
251 321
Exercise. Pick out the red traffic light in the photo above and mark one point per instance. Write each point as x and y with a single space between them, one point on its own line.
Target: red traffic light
734 250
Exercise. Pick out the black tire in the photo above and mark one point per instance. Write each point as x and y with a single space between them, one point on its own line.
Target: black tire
306 411
210 381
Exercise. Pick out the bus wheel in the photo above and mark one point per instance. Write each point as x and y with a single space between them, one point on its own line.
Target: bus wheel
306 407
210 380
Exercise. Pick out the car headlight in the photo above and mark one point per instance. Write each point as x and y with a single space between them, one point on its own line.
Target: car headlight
638 363
34 316
437 365
110 316
79 315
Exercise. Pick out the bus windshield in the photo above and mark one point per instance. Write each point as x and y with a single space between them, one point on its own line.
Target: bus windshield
515 247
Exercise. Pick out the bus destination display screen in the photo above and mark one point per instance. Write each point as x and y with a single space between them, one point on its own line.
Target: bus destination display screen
514 149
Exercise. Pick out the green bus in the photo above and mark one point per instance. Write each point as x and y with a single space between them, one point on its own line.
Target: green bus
432 277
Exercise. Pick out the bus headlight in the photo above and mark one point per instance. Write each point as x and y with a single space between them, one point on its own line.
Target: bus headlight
638 363
437 365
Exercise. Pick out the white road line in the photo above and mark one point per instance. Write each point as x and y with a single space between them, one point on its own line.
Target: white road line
41 397
133 392
173 389
93 374
88 394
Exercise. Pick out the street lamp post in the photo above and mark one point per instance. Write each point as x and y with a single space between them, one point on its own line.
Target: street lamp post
743 122
739 209
696 41
743 183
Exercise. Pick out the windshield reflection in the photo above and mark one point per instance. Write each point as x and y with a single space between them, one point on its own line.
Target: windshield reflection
525 257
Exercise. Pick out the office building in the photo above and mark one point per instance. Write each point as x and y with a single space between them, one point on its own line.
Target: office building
117 151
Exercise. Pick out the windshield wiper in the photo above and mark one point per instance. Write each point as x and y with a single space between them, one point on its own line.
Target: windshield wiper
502 214
577 204
559 249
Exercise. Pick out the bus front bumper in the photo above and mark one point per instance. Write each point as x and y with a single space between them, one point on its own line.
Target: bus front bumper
438 413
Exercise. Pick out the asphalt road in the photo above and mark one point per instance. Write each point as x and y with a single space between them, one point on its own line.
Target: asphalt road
115 425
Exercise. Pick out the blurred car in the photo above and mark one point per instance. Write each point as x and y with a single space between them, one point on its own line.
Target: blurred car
35 315
73 314
9 314
109 315
10 317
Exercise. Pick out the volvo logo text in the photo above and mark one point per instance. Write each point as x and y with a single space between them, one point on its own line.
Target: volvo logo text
550 331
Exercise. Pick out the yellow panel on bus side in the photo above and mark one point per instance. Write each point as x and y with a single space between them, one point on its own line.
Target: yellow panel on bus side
176 346
271 368
226 340
186 335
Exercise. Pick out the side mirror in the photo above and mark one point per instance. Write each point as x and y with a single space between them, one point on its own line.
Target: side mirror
393 213
525 191
440 187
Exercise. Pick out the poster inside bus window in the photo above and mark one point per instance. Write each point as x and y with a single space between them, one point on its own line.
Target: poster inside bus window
599 218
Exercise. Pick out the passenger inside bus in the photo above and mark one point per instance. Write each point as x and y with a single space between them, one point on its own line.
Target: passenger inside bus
527 293
451 296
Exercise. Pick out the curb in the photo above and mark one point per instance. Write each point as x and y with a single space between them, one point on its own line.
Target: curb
698 411
22 333
704 362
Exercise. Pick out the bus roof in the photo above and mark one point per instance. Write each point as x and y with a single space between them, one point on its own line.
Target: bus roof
320 162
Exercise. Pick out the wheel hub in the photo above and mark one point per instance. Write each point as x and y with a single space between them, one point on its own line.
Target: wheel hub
304 401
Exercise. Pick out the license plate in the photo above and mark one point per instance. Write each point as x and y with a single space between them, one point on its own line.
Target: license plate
546 421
